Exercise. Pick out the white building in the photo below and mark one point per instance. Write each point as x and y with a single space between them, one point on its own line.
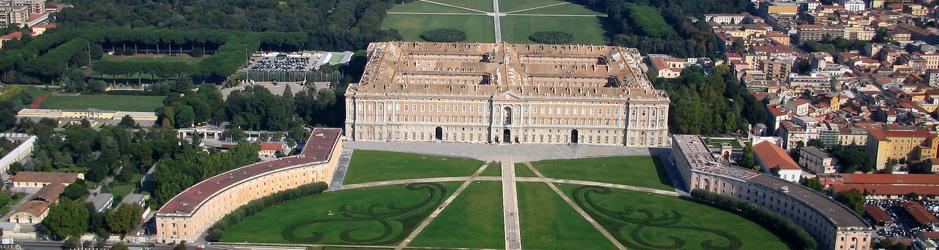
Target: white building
854 5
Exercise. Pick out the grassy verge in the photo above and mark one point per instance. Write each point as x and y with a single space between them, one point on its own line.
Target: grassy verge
473 220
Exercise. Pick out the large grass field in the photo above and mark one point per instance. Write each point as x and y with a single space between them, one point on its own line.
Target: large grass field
642 171
478 28
482 5
425 7
473 220
651 221
152 58
586 30
369 166
353 217
105 102
8 92
544 7
494 169
522 171
547 222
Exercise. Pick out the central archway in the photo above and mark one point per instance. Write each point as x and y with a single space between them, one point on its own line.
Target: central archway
507 136
574 136
438 134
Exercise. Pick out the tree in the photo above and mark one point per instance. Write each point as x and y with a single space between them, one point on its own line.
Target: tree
852 158
72 242
552 37
180 246
127 122
66 218
443 35
813 183
124 219
816 143
76 190
748 159
851 198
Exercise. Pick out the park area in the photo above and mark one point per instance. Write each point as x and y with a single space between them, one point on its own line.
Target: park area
519 20
104 102
369 212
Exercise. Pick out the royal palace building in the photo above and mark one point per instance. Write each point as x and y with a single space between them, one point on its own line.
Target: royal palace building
506 93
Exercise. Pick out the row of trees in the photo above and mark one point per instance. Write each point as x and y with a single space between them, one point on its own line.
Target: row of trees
552 37
792 234
444 35
711 104
217 230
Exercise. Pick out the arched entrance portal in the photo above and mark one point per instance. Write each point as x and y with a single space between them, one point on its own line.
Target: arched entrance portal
574 136
438 134
506 136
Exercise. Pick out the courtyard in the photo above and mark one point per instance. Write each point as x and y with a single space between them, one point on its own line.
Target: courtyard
412 200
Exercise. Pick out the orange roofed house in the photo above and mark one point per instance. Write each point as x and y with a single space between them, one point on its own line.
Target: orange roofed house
41 179
771 156
901 144
37 207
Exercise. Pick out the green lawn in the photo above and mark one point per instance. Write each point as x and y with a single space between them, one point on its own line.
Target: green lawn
494 169
369 216
473 220
481 5
642 171
649 21
522 171
424 7
564 7
121 189
651 221
105 102
145 58
478 28
586 30
547 222
369 166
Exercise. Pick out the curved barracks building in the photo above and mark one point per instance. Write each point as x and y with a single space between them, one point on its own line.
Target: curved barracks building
191 212
506 93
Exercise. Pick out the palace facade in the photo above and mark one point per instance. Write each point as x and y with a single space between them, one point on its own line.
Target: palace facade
506 93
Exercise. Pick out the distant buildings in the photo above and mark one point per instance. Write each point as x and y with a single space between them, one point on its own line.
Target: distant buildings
817 161
19 12
884 186
143 119
898 144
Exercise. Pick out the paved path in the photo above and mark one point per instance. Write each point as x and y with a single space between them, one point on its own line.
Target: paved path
496 21
454 6
417 231
497 152
513 233
340 174
580 211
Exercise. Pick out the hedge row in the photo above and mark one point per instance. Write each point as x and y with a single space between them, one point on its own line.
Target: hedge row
789 231
54 62
253 207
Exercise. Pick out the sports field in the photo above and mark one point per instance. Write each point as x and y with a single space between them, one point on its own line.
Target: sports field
370 166
376 214
105 102
642 171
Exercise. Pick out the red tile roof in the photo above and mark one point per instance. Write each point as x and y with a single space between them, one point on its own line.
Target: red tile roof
318 149
12 36
877 213
919 213
773 156
272 146
908 179
46 177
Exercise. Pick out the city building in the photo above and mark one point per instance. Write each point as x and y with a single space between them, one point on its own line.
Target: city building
898 144
270 149
817 32
143 119
884 186
854 5
666 66
187 215
18 11
771 157
24 147
506 93
817 161
833 225
35 209
27 179
776 68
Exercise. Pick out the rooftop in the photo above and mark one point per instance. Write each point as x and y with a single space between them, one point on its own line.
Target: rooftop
839 214
46 177
919 213
487 69
774 156
318 149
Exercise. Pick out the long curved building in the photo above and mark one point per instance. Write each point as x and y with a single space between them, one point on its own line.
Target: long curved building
833 225
194 210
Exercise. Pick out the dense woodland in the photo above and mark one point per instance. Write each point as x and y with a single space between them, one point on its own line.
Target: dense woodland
633 23
711 104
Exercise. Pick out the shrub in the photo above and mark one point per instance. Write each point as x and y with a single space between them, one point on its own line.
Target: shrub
444 35
551 37
790 232
253 207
